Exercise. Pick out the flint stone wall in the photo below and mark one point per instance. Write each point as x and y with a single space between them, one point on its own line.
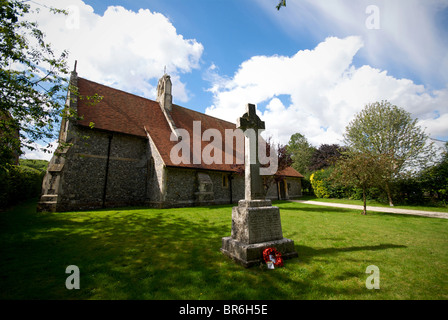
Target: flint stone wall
184 188
84 173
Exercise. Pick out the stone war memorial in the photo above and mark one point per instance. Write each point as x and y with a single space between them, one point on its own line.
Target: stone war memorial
256 224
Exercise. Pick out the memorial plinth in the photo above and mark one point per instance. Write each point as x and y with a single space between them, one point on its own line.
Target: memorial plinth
256 225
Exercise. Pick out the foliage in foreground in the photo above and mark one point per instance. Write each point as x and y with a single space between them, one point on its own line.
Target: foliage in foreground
32 81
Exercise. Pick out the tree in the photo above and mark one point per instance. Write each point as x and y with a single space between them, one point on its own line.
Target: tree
33 80
301 152
362 170
387 131
325 156
434 180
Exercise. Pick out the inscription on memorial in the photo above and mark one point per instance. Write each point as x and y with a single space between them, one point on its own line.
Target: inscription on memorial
256 224
264 225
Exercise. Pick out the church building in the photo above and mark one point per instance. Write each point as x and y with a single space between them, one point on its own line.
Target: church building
117 153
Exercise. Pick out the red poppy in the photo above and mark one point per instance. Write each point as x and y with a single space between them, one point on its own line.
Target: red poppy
275 254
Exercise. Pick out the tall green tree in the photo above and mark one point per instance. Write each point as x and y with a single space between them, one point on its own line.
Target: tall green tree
33 81
301 152
385 130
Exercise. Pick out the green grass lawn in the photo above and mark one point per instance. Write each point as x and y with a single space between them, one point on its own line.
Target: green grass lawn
140 253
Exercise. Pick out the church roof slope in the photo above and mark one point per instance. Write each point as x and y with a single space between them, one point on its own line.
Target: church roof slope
184 118
119 111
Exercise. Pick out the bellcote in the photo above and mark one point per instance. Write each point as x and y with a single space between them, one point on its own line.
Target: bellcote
165 100
164 97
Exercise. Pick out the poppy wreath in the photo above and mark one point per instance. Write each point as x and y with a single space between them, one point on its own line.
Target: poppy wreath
273 252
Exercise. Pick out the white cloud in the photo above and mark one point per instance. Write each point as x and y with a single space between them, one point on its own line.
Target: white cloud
121 48
325 89
38 153
411 37
438 125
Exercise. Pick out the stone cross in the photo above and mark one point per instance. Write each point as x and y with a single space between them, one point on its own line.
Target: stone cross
250 123
256 224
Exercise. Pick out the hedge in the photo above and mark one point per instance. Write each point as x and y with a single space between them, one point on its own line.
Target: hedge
19 183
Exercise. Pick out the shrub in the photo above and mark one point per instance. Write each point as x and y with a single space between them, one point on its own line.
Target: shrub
19 183
325 187
318 184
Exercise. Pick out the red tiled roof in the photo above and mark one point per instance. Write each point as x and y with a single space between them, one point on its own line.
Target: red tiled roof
118 111
123 112
184 118
290 172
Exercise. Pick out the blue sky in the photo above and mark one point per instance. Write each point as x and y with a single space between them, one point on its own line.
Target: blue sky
309 67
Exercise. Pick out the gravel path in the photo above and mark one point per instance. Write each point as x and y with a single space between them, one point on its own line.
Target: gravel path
432 214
